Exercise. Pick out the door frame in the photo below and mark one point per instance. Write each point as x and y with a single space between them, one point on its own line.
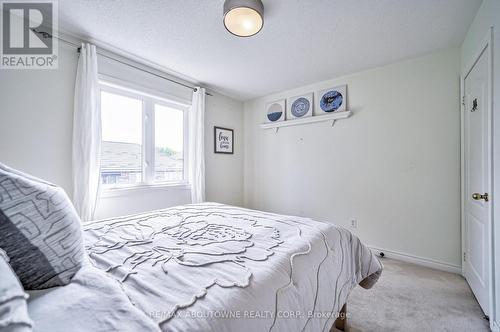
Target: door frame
485 43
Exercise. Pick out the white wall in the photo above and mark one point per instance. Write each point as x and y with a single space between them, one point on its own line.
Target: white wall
36 121
224 172
489 16
394 165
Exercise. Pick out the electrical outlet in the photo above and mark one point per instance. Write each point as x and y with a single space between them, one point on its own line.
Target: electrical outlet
354 223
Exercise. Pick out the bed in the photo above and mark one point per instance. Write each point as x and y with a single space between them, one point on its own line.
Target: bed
208 267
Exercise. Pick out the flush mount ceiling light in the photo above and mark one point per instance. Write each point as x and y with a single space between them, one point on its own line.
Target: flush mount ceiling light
243 18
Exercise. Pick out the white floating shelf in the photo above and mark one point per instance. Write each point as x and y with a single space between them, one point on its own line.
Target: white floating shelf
310 119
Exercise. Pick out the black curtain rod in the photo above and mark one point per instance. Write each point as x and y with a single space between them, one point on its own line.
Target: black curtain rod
48 35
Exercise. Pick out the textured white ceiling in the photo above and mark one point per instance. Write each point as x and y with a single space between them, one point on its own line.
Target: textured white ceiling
303 41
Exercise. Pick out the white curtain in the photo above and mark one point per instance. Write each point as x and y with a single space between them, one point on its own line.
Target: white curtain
197 146
86 134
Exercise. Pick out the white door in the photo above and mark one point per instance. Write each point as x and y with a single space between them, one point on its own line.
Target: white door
477 179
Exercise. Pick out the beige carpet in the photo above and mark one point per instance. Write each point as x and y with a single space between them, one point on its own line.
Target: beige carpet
409 297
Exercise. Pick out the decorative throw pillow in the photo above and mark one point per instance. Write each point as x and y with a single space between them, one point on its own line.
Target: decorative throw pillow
39 229
13 308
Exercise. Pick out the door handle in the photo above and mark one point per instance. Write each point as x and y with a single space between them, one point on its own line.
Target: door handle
474 105
478 196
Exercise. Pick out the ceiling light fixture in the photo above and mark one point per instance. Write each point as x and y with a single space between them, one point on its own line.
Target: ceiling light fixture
243 18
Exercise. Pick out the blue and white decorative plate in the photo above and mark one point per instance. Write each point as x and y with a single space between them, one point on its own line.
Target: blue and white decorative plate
333 99
276 111
300 107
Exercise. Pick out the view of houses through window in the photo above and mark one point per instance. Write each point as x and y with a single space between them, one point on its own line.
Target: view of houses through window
169 134
124 157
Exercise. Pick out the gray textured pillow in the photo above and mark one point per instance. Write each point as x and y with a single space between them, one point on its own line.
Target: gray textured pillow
39 230
13 308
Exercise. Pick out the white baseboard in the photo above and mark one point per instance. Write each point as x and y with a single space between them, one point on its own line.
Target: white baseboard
427 262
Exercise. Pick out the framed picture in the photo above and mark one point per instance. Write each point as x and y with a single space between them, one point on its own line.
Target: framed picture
275 111
331 100
223 140
300 106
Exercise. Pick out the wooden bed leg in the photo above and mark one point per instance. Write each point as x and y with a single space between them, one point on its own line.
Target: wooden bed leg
341 322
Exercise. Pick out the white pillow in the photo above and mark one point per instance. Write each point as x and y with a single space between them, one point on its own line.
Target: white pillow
13 308
39 230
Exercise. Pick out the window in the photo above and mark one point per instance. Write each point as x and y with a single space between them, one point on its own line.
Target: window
121 149
169 144
143 138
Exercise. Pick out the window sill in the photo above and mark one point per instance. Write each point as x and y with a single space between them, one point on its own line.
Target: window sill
142 188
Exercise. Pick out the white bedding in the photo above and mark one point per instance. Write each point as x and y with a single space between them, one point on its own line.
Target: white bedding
92 302
212 267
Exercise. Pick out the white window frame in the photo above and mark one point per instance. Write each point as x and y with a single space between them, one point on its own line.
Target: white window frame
149 98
